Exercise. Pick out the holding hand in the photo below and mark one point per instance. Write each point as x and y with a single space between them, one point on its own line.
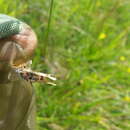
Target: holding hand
17 41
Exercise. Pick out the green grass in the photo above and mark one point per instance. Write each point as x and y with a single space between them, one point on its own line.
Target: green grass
89 51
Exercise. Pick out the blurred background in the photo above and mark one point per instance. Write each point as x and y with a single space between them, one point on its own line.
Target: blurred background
88 50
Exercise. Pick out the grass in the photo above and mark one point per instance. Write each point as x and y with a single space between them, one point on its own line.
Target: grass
88 50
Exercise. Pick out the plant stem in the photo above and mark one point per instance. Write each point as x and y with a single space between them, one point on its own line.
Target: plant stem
48 30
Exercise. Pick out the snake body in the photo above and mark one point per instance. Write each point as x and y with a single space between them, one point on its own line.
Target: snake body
9 26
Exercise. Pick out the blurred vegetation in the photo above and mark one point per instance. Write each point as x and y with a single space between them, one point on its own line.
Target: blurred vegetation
88 49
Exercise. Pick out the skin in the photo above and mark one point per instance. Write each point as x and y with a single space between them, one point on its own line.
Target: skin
18 48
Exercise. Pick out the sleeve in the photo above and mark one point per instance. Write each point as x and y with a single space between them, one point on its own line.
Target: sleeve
17 104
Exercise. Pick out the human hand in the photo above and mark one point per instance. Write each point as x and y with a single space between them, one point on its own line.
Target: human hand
18 42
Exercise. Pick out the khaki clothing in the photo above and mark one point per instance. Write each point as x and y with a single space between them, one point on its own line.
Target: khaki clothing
17 107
